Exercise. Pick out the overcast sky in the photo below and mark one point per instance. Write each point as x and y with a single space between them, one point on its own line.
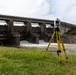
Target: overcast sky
65 10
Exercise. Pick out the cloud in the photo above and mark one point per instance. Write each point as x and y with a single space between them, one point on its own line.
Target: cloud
28 8
65 10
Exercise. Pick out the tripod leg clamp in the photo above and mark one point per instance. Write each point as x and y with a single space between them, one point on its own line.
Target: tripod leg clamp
59 51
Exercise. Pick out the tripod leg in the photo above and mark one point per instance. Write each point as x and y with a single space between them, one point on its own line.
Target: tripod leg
63 46
50 41
59 47
64 49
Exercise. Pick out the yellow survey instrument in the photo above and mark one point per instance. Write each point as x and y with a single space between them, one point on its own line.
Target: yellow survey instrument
59 40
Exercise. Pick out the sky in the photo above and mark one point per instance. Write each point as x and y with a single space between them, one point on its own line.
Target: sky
65 10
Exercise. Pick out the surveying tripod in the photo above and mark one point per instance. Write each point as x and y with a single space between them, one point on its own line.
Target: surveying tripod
59 41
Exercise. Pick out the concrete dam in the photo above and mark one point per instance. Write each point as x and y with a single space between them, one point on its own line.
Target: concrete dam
13 29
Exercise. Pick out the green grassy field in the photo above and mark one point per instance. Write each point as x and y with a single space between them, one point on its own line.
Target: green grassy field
32 61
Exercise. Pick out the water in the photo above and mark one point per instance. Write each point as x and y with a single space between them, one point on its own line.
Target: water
42 43
70 48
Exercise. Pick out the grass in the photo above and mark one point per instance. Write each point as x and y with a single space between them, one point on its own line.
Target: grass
32 61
